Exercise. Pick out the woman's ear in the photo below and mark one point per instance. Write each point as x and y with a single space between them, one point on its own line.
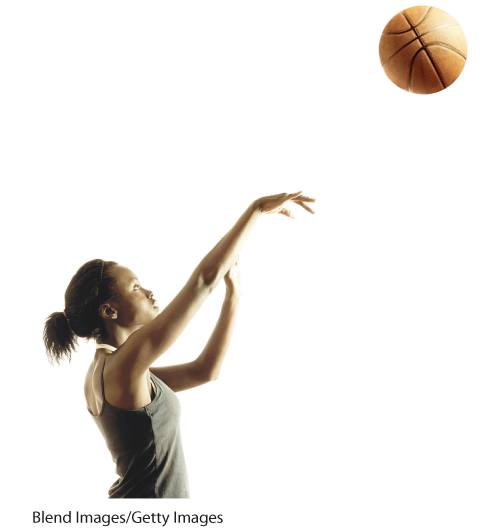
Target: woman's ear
106 311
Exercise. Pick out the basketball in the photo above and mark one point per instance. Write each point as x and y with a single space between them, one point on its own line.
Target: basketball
423 50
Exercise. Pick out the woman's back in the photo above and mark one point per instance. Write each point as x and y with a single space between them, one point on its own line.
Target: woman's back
145 443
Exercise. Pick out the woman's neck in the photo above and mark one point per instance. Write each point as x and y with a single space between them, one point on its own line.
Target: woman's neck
117 336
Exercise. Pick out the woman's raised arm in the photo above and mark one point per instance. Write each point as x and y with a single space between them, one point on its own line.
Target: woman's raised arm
147 344
206 367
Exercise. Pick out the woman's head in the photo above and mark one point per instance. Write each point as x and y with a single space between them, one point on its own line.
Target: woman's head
102 298
132 306
91 286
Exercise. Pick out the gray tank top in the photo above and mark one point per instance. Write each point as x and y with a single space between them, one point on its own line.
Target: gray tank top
146 446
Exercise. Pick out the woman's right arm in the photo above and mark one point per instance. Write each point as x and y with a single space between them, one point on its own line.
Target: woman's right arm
147 344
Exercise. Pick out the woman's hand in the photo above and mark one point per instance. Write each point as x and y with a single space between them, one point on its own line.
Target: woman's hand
232 279
276 203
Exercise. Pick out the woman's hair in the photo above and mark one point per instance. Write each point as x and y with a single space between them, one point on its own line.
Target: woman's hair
90 287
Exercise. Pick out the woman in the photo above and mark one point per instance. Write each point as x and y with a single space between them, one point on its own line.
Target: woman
134 404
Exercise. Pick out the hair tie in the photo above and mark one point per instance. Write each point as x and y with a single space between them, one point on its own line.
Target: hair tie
64 313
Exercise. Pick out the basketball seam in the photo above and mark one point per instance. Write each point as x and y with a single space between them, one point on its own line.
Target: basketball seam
424 48
413 40
443 45
411 26
411 67
430 58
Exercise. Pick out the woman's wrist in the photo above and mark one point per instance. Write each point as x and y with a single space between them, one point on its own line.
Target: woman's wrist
233 294
256 205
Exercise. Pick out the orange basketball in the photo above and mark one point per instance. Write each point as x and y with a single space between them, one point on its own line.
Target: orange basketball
423 50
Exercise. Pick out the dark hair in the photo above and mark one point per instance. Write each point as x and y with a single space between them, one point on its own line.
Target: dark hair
90 287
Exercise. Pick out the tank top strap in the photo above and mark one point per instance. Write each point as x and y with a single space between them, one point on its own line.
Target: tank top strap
102 380
111 349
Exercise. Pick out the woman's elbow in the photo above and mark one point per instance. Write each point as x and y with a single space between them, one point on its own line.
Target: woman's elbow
212 376
204 375
208 277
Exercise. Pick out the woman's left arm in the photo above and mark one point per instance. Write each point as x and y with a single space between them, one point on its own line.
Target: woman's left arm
209 363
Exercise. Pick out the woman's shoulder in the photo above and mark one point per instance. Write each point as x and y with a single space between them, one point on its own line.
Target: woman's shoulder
92 381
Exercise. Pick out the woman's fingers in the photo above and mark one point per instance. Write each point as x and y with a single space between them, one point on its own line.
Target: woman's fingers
276 203
288 213
304 198
305 206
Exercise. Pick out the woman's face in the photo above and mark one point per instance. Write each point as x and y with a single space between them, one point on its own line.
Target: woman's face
135 306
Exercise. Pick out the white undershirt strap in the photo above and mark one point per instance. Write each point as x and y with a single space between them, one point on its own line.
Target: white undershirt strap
106 346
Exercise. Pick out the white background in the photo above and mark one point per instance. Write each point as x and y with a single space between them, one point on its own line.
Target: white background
361 387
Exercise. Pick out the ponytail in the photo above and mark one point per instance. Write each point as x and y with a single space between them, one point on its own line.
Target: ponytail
91 286
59 339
